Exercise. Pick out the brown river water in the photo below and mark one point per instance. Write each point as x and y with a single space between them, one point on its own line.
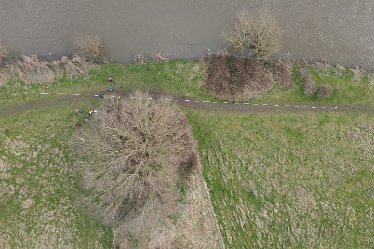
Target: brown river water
338 31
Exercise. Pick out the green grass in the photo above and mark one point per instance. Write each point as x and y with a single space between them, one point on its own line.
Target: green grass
289 181
345 89
186 78
177 77
40 167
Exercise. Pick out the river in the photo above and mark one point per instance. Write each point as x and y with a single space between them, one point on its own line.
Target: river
338 31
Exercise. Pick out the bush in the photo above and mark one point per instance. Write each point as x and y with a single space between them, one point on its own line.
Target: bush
282 72
3 53
32 69
75 66
234 78
134 151
309 84
324 91
89 47
260 38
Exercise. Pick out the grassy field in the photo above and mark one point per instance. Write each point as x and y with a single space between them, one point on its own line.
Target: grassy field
289 181
39 188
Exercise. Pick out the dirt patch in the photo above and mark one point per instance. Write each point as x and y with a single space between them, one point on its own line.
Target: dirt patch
3 166
5 191
235 78
27 203
197 226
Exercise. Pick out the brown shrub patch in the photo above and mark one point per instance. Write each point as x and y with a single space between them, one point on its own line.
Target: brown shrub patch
75 66
282 72
324 91
309 84
234 78
154 58
33 69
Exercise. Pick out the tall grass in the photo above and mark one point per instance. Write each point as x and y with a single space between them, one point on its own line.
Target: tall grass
33 69
290 181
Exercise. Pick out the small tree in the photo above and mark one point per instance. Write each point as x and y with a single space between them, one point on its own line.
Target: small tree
135 152
89 47
260 38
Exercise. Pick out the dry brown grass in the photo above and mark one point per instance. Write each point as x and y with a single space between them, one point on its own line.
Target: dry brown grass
135 151
159 57
153 58
3 53
258 37
32 69
140 59
90 47
75 66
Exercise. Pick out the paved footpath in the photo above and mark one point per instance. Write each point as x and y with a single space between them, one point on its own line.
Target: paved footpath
69 98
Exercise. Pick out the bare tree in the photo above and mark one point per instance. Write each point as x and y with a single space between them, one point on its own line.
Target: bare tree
90 47
134 154
260 38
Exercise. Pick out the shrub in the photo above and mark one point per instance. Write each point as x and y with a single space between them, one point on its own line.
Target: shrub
324 91
31 69
89 47
75 66
229 77
282 72
159 57
3 53
260 38
309 84
140 59
134 151
154 57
